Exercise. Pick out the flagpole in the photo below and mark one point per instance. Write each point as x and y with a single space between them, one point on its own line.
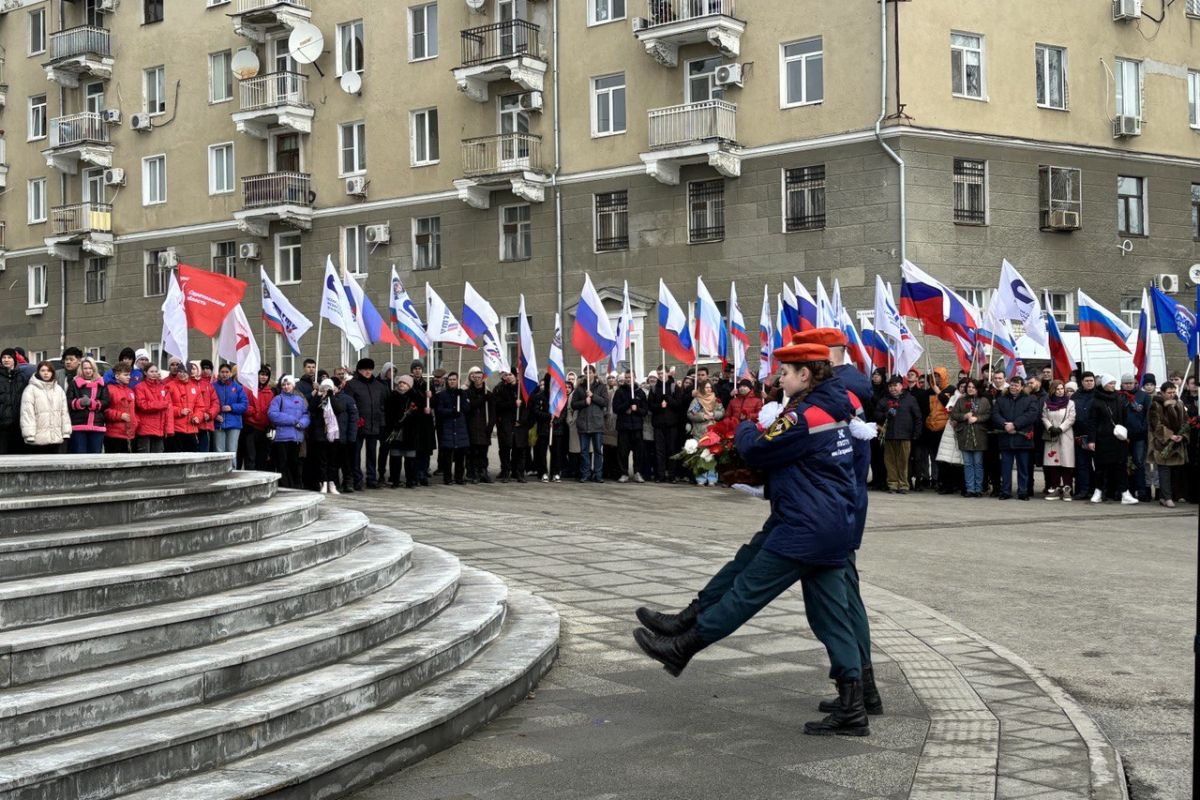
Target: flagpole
317 358
458 397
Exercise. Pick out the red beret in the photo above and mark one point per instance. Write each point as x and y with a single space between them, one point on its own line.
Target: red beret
800 353
830 337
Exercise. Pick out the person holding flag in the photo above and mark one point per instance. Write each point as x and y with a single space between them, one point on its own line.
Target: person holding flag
558 393
629 404
741 339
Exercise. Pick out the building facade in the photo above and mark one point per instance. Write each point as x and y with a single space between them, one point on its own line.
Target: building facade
520 143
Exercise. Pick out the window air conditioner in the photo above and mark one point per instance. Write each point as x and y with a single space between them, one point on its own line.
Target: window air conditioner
728 75
1124 126
378 234
107 5
531 101
1064 220
249 251
114 176
1169 284
140 122
1126 9
167 258
356 186
640 24
112 116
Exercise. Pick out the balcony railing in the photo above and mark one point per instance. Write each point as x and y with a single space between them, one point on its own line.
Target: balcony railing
83 40
3 235
277 189
79 218
500 154
692 123
501 40
273 90
662 12
244 6
73 129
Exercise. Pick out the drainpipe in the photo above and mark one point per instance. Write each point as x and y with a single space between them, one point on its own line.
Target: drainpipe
558 231
883 62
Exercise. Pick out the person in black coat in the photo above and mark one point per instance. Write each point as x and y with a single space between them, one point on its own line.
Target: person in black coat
540 420
1085 440
410 434
879 391
1015 415
664 401
1109 410
371 398
901 417
629 406
330 455
450 407
481 418
12 384
511 437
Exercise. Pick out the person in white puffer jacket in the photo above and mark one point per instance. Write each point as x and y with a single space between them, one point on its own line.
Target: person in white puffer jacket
45 418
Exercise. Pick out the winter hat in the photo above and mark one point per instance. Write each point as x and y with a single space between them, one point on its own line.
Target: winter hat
10 352
416 364
407 380
830 337
387 365
1149 379
365 363
328 384
746 382
1105 379
126 353
287 379
1127 378
894 380
473 370
1072 386
140 354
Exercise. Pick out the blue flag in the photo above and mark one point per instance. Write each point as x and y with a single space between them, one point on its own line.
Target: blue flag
1174 317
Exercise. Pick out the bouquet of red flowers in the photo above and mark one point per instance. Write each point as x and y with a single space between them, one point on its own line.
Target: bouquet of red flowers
716 450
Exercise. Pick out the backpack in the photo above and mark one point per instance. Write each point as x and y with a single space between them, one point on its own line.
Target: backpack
938 415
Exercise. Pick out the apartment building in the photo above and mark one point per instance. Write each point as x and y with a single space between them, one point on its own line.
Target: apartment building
519 143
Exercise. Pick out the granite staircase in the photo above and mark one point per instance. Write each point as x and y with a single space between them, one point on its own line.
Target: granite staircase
171 628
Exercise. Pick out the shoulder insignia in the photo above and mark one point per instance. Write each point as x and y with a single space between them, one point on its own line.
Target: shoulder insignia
781 425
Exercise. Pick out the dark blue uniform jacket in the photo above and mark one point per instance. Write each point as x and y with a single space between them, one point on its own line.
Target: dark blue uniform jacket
860 386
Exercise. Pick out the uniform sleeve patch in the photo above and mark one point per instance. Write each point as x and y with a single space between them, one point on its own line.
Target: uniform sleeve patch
781 425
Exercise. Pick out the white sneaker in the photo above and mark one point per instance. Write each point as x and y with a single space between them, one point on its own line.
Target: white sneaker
557 478
1128 500
1097 496
623 479
1052 496
637 478
333 488
324 488
545 479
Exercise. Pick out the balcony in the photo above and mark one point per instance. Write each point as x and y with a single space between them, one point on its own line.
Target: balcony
670 24
3 163
277 99
693 133
511 161
257 20
510 50
80 225
77 53
285 197
76 138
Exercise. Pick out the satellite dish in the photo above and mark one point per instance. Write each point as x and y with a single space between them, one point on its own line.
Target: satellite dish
476 5
351 82
244 64
306 43
1194 273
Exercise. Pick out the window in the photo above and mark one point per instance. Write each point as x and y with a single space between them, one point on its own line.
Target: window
601 11
966 65
220 76
352 140
1193 8
1194 98
95 280
510 331
286 358
427 242
1129 88
37 31
354 249
37 200
1051 69
516 233
93 97
37 117
706 211
701 84
154 180
803 72
422 32
612 221
350 56
220 168
37 286
1131 310
1061 307
152 10
976 297
804 198
1196 211
970 191
424 136
1059 190
96 353
154 277
224 258
608 104
155 90
1131 206
287 257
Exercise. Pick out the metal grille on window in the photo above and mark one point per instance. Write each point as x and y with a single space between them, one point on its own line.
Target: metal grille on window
969 178
706 211
805 191
612 221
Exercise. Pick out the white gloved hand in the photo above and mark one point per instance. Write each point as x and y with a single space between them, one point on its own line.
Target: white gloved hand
753 491
769 413
865 431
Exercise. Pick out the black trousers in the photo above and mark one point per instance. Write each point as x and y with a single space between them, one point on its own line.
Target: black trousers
404 467
540 448
1112 480
664 448
148 444
287 463
629 443
115 445
182 443
477 461
452 460
878 469
559 445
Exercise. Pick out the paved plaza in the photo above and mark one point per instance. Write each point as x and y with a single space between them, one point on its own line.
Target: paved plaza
1023 651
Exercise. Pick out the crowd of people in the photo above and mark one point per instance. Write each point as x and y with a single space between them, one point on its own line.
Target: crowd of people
1093 438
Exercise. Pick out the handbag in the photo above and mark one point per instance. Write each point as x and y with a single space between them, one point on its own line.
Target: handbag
1121 433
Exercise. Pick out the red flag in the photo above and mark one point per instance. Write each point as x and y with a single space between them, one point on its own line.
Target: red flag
208 297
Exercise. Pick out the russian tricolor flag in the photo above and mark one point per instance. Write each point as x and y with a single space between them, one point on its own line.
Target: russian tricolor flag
1060 358
404 314
673 334
558 376
1097 322
765 337
592 335
711 337
876 347
806 308
854 344
478 316
942 312
1141 352
527 371
788 318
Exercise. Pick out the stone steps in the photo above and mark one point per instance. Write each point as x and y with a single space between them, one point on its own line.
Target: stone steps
61 552
130 756
22 475
83 701
61 648
349 755
42 513
60 597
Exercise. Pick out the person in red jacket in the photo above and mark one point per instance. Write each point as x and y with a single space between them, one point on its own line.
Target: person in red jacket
209 407
745 405
254 448
187 409
154 421
121 414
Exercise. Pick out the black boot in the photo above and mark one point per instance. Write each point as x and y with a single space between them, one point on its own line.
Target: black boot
669 624
673 652
871 699
850 717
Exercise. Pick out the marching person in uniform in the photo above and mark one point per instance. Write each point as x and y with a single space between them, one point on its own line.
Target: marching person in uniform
808 456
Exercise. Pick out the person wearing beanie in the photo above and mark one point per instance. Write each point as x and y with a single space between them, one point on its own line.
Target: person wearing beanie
254 448
1085 438
808 459
1109 419
900 416
481 419
332 418
370 397
12 385
410 435
1137 422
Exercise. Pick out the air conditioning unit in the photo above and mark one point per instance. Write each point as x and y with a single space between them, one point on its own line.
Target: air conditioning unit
1169 284
531 101
249 251
728 75
112 116
1124 126
357 186
167 258
1064 220
114 176
378 234
140 122
1126 9
107 5
640 24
